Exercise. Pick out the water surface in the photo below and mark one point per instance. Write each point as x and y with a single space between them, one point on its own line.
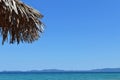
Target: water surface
59 76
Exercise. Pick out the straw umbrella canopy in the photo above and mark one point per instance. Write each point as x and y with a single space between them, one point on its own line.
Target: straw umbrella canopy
19 22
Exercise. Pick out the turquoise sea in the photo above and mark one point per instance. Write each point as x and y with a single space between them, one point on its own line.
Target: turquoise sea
59 76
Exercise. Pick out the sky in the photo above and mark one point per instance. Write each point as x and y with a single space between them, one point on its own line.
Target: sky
79 35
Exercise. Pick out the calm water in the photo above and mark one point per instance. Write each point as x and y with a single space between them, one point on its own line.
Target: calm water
60 76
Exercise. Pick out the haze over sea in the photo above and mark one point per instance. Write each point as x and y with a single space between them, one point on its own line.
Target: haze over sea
60 76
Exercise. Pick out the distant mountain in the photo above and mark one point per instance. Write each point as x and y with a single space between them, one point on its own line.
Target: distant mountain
57 70
94 70
106 70
48 70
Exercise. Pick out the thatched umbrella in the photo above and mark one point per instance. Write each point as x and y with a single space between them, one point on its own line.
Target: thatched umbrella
19 22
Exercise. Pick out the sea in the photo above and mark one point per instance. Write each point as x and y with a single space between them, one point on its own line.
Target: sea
60 76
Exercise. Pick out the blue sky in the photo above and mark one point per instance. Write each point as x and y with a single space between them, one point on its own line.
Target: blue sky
79 35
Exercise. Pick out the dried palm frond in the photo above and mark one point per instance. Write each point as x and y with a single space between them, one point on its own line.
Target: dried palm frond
19 22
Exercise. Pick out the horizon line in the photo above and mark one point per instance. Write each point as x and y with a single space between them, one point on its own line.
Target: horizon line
50 70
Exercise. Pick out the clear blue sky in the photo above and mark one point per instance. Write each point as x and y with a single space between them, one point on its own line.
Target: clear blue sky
79 35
